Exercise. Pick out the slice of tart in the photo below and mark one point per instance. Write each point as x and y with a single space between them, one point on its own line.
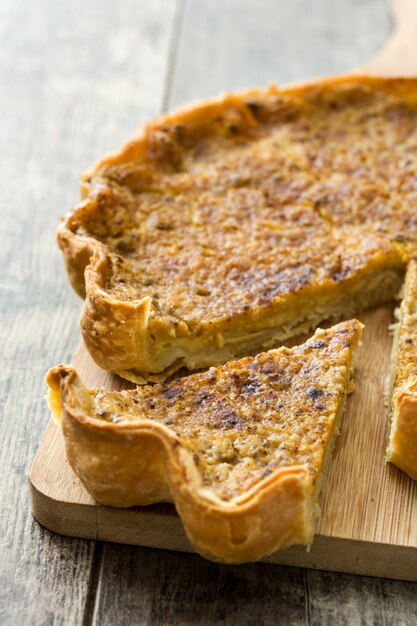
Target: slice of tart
240 449
402 447
237 223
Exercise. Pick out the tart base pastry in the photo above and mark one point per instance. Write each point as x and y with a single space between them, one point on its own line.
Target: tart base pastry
402 446
237 223
239 449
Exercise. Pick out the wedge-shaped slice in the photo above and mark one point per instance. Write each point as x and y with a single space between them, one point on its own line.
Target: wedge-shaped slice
237 223
402 447
239 449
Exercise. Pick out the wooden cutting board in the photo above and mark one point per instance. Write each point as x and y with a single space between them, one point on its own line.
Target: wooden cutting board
369 509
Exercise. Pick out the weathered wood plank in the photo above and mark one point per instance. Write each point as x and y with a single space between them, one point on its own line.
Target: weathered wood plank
346 600
158 587
76 79
161 587
234 44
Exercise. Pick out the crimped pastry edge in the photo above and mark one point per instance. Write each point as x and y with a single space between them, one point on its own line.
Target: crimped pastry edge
140 463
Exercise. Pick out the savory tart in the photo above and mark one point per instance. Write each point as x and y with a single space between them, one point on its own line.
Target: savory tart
240 449
237 223
402 446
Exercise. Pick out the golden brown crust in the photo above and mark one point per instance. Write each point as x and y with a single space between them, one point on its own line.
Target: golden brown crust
233 223
141 446
402 447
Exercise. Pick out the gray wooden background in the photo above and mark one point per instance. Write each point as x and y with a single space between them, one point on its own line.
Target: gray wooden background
77 78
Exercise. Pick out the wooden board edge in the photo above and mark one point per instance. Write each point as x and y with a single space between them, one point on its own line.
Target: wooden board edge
351 556
327 553
62 517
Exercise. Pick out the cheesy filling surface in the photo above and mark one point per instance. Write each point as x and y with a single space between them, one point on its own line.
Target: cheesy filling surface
277 193
247 418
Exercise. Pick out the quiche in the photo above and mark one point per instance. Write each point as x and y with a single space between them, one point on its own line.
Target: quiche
234 224
402 446
239 449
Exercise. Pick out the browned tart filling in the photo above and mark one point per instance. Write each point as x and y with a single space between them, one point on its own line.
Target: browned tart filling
240 222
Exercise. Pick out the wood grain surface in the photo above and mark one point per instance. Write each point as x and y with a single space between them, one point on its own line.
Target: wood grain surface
76 79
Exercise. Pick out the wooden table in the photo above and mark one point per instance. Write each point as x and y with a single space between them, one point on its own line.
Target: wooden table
76 79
